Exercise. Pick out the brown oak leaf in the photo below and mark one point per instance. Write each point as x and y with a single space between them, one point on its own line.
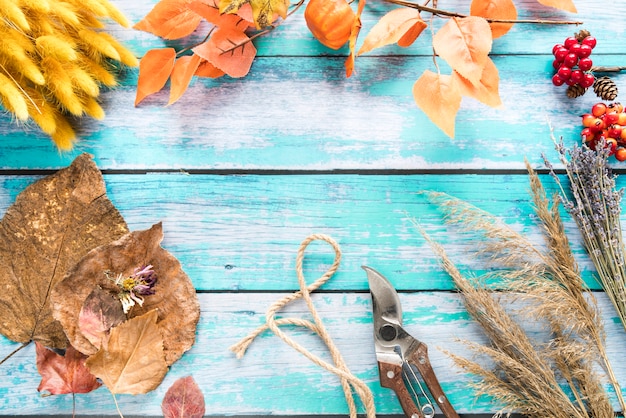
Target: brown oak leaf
183 399
64 374
51 225
174 295
133 361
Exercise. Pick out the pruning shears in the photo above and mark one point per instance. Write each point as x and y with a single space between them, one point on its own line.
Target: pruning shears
403 363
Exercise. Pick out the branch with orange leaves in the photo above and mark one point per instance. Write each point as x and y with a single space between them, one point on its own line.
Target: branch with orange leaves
440 12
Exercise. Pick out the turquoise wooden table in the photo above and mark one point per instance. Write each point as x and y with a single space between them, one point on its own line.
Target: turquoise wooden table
240 171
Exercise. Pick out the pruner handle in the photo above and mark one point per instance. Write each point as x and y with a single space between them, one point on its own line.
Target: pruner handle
391 378
419 358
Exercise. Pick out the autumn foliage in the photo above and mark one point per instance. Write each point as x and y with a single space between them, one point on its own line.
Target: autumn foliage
464 42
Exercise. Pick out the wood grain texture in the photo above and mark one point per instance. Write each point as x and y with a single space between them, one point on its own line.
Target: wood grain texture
242 232
274 379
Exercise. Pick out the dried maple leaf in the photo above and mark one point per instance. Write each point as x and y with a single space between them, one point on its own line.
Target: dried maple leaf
133 361
464 43
230 50
495 9
154 70
263 11
52 224
209 10
439 97
174 295
100 312
170 19
183 399
64 374
403 24
486 90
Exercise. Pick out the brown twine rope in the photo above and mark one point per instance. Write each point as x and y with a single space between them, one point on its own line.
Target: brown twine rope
348 380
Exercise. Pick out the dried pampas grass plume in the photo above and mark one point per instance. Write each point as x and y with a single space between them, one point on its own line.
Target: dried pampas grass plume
54 57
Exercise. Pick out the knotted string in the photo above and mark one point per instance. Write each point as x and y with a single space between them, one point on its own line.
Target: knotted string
348 380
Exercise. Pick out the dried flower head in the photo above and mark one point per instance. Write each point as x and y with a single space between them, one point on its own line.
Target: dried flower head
135 286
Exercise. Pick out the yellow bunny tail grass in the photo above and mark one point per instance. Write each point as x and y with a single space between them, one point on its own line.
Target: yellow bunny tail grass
126 57
98 71
64 136
81 80
56 47
115 14
14 58
42 6
93 6
93 108
66 13
98 43
42 112
12 98
60 84
13 13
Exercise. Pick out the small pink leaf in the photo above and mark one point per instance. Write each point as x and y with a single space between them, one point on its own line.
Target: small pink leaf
100 312
183 399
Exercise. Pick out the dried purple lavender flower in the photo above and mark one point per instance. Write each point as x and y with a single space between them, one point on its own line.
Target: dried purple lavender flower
595 206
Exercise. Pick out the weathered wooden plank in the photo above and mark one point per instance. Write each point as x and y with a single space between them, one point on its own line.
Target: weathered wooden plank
273 379
242 232
302 114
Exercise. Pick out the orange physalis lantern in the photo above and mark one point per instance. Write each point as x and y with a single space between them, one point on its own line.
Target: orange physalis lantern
330 21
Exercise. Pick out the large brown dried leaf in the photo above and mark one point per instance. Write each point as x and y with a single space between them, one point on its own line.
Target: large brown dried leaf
183 399
133 361
64 374
174 297
52 224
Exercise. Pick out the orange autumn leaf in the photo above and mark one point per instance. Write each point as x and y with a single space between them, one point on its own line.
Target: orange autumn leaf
495 9
230 50
208 9
464 43
567 5
206 69
439 97
404 24
354 34
154 69
486 90
170 19
184 69
64 374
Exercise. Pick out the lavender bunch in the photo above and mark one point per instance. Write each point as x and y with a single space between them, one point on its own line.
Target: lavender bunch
595 207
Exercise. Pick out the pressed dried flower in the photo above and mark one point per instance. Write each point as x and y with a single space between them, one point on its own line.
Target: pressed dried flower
134 287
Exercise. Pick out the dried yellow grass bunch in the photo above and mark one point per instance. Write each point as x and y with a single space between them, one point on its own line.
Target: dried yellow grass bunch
54 57
525 374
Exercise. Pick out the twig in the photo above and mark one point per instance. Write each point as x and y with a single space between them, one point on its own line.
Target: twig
440 12
611 69
15 351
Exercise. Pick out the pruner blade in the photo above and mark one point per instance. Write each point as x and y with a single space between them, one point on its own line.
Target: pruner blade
401 357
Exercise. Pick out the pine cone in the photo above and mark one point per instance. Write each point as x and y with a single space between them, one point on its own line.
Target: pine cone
605 88
582 34
575 91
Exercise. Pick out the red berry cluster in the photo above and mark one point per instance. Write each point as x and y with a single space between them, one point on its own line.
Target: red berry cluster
572 62
606 124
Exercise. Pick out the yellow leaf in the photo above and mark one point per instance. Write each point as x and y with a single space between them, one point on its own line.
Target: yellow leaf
464 43
184 69
486 90
495 9
263 11
133 361
567 5
154 69
439 97
393 27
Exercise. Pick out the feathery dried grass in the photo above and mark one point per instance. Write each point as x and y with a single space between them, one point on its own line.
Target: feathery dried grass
55 50
528 374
